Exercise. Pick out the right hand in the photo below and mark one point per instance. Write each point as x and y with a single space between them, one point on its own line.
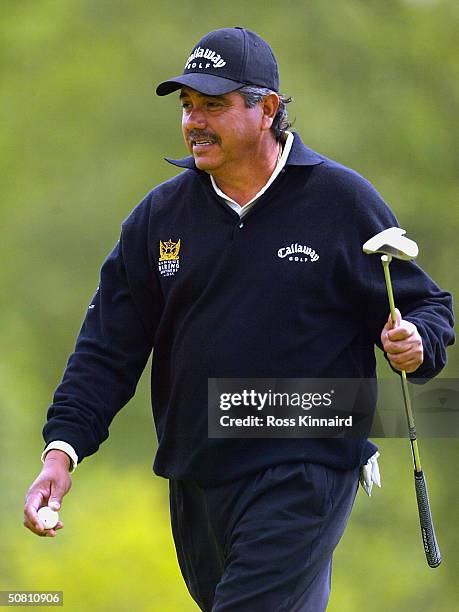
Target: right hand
48 489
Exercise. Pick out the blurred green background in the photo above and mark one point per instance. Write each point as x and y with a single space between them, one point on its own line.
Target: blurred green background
375 86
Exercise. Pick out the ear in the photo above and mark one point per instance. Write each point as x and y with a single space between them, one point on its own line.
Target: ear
270 104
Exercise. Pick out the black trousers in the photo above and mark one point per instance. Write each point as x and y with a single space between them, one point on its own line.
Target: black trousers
263 543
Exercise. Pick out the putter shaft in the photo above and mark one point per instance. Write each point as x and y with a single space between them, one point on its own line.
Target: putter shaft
386 259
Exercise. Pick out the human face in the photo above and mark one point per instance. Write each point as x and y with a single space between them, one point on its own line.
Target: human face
220 131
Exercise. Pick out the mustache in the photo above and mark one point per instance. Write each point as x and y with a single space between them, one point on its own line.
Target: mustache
203 135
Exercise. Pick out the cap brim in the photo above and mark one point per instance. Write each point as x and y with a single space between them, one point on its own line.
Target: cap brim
208 84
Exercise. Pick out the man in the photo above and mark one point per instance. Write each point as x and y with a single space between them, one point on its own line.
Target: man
202 274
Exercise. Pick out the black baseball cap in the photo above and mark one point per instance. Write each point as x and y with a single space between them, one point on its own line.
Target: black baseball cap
225 60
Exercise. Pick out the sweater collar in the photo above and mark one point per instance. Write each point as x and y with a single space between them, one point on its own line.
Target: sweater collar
300 155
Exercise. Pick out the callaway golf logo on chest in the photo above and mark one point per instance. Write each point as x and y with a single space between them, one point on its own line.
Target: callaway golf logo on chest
298 252
168 263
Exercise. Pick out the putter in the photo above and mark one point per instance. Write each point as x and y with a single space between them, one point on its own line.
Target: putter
390 243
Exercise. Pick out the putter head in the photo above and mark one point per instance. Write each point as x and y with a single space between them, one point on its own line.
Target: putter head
392 242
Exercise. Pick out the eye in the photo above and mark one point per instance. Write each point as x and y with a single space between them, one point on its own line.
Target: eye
186 105
214 105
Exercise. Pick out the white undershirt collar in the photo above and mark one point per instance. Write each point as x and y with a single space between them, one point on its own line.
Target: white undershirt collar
242 210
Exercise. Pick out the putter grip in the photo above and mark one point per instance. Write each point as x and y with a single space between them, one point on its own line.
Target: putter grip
431 549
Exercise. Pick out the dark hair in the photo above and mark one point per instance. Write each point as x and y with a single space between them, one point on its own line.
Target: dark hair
253 94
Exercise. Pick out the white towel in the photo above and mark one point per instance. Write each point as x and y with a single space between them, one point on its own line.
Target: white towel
369 474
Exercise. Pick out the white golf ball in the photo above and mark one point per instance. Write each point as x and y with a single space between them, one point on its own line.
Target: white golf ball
48 517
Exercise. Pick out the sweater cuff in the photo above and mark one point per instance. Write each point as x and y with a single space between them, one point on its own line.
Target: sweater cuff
66 448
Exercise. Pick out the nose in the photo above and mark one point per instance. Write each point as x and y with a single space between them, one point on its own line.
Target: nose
194 119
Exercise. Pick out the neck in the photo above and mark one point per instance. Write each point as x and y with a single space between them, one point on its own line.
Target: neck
248 176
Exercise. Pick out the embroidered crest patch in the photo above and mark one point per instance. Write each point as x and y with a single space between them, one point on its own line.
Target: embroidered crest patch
168 263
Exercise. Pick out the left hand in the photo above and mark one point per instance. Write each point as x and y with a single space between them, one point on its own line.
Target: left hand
403 344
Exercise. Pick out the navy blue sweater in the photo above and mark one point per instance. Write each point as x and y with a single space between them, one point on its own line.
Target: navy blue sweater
217 296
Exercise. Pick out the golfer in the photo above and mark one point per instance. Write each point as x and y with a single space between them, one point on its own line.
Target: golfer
247 264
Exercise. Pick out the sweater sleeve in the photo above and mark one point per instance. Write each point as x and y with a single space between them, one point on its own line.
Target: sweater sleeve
113 345
419 299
